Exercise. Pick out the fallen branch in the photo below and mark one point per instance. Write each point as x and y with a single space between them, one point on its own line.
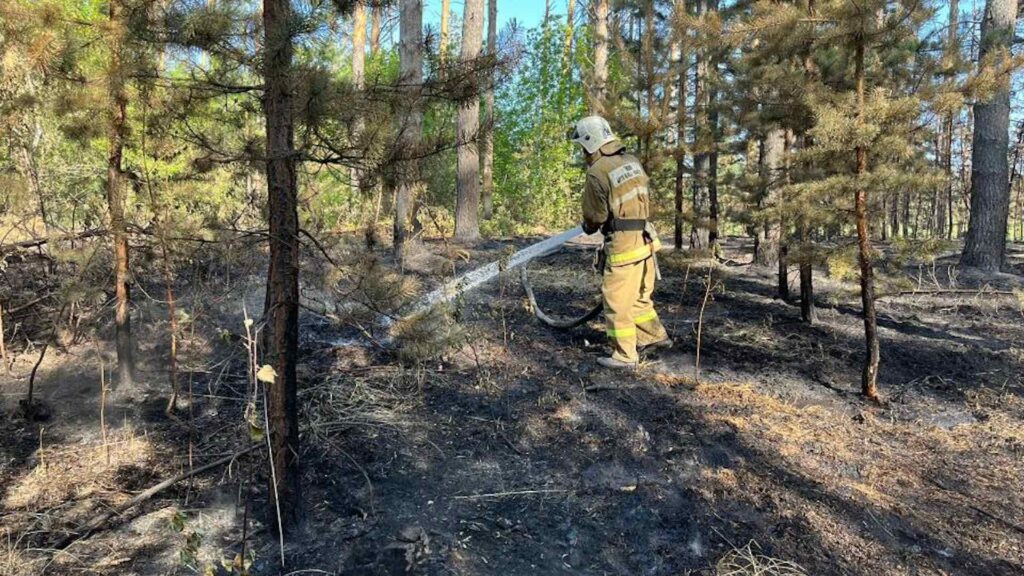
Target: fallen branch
101 520
950 291
40 241
999 519
13 311
512 493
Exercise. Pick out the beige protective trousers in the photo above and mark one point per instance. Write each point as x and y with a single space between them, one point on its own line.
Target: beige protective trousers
629 310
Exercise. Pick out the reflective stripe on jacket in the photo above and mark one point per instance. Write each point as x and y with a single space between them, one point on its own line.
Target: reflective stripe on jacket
617 188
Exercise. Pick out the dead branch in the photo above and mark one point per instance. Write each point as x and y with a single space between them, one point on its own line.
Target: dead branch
101 520
950 291
41 241
999 519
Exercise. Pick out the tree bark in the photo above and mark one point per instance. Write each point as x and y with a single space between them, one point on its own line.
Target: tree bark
701 160
358 76
773 146
467 205
376 16
570 30
489 118
808 313
446 8
714 133
869 376
683 72
115 198
282 302
599 87
409 117
985 247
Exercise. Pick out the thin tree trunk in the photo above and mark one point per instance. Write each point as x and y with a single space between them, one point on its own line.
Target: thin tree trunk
773 148
714 133
683 77
376 16
647 38
599 87
985 247
570 30
282 311
952 50
489 118
869 377
894 214
358 76
1015 171
808 312
467 206
701 166
410 117
116 200
446 8
938 220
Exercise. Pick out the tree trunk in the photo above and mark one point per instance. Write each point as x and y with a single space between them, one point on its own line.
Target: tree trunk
116 200
985 247
489 118
282 302
701 141
894 214
446 8
375 21
714 133
410 116
467 206
773 146
358 76
808 313
683 71
1015 175
869 377
599 86
570 32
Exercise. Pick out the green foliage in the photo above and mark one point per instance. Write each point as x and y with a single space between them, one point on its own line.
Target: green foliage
538 172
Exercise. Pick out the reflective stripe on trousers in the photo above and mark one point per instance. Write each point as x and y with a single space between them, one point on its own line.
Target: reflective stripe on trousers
629 310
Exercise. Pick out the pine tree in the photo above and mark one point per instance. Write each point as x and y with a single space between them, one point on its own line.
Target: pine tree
409 117
467 206
487 131
985 246
118 102
282 301
598 89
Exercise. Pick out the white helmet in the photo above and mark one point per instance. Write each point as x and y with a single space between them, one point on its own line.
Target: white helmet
592 132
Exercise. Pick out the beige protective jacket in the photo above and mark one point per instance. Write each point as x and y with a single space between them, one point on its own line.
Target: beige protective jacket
616 188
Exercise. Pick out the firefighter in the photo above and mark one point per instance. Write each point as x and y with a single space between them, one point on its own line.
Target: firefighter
616 201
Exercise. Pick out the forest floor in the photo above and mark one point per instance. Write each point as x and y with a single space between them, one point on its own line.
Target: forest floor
513 454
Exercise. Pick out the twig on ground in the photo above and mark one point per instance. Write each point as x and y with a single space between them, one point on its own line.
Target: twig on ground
511 493
700 321
101 520
3 346
1007 523
950 291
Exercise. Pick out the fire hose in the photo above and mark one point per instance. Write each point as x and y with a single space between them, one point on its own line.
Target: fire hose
557 324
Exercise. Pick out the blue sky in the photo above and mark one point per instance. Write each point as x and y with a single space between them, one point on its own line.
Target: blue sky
527 12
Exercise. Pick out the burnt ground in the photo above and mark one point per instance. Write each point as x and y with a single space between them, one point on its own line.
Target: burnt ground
513 454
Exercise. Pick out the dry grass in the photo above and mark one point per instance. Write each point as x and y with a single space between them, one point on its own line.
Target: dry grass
427 336
13 559
749 561
384 400
77 472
